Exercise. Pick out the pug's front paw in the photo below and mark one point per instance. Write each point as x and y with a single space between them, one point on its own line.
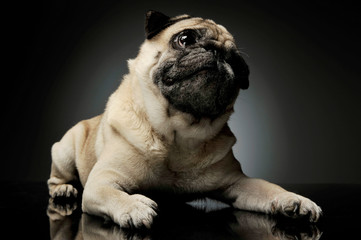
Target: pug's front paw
295 206
139 211
63 190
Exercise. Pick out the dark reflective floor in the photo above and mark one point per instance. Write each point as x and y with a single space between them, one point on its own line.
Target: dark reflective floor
27 212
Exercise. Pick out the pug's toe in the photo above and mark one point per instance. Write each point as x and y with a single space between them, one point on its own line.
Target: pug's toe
63 190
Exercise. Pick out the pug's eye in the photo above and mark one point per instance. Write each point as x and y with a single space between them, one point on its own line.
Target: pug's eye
186 38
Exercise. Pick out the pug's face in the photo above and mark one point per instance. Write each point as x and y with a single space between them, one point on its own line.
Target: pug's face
200 71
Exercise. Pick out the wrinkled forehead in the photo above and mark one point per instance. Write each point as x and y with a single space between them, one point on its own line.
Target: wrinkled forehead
181 23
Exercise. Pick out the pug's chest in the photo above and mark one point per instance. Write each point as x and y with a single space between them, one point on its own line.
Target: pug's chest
180 172
178 182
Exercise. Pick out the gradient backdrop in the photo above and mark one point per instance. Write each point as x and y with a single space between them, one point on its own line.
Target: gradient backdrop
299 122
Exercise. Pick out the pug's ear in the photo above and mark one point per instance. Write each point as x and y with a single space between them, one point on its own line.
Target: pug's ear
155 22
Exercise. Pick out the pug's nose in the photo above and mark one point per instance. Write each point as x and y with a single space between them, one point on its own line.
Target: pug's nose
215 47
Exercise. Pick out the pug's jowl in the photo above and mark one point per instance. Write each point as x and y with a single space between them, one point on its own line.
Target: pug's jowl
165 130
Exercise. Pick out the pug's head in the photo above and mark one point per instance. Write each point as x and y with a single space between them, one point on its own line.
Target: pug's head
194 63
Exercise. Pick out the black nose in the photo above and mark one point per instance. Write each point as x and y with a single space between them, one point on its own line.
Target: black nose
215 47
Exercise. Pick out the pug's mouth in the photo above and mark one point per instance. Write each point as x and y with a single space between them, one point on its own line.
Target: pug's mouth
187 75
203 91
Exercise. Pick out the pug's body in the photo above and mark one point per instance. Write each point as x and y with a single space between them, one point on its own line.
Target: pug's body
165 130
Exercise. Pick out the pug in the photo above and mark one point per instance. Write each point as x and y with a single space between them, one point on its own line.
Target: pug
164 130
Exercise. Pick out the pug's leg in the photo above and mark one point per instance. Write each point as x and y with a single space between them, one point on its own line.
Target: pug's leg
63 168
261 196
105 195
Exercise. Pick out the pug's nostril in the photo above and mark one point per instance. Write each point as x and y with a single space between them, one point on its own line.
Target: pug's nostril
208 48
215 51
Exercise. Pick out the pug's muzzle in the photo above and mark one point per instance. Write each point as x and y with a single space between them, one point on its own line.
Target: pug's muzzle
202 79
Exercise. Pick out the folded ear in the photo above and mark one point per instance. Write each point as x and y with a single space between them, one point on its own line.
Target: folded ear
154 23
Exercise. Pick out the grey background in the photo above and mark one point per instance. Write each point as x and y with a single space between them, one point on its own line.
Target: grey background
299 122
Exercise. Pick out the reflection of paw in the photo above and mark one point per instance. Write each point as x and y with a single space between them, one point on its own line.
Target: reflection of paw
63 190
57 210
293 205
96 228
296 232
139 212
251 225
